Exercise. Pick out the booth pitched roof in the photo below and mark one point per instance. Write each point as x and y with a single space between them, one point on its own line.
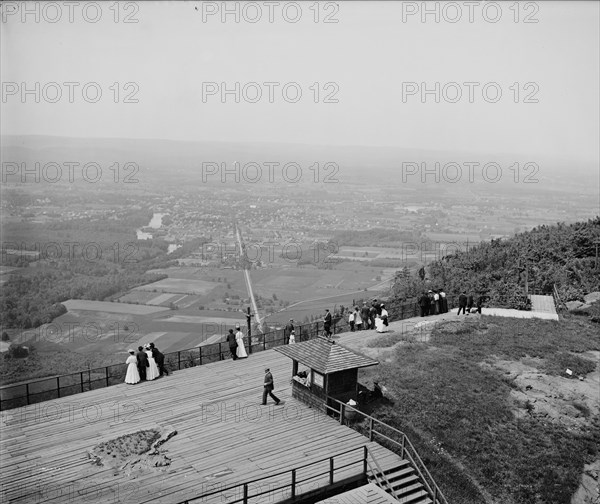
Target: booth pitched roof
325 356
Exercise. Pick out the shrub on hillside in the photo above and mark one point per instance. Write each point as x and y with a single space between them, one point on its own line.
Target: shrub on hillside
17 352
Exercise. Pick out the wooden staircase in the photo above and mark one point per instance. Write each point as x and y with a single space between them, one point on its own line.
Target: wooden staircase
402 482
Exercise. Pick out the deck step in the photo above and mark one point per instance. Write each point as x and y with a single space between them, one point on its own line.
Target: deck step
418 497
405 484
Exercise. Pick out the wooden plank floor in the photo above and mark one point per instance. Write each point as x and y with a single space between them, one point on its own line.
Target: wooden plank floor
224 436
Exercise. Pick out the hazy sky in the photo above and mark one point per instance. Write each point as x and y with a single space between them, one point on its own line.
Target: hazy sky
373 63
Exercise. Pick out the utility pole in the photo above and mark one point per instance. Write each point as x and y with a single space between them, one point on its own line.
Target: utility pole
249 324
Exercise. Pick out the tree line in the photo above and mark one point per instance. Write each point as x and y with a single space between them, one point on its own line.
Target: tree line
562 255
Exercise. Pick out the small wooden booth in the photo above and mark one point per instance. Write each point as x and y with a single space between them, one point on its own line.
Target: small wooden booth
331 370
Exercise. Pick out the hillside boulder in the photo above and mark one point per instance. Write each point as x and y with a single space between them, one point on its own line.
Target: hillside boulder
592 297
574 305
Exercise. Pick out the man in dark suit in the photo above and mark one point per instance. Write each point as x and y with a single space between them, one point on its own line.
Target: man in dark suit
268 389
424 304
377 306
462 303
364 313
288 330
142 362
327 322
160 360
470 303
232 344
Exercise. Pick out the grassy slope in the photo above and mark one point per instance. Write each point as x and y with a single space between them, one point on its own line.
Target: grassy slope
50 359
458 413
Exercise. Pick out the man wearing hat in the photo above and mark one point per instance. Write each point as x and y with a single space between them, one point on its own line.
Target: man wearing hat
268 388
232 344
142 362
365 315
159 357
327 322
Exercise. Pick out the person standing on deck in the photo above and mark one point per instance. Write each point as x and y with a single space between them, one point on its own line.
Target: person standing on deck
462 303
443 301
268 388
358 322
239 338
470 303
132 375
159 357
288 330
372 314
364 313
424 304
142 360
232 344
431 303
384 315
327 323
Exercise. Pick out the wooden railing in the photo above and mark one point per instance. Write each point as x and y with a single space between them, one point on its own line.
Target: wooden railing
380 477
45 389
402 444
244 490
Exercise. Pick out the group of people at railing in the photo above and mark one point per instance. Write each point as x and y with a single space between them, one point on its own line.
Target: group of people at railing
236 343
147 364
433 302
369 317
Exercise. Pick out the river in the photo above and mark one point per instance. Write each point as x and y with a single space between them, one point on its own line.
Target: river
155 223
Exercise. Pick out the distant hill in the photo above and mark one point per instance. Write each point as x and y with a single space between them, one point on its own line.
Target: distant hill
561 255
182 160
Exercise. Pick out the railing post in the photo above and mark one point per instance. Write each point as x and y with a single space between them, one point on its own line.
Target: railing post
331 470
371 429
402 451
179 360
342 413
27 392
434 493
245 493
200 355
58 385
106 371
366 452
293 483
81 376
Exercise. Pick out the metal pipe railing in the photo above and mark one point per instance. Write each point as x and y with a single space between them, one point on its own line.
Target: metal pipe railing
405 446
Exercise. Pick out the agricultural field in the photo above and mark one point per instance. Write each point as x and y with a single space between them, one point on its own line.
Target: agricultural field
109 332
308 282
178 285
106 306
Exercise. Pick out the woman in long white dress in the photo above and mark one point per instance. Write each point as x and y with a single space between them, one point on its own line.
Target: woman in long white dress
132 376
241 349
152 371
379 326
